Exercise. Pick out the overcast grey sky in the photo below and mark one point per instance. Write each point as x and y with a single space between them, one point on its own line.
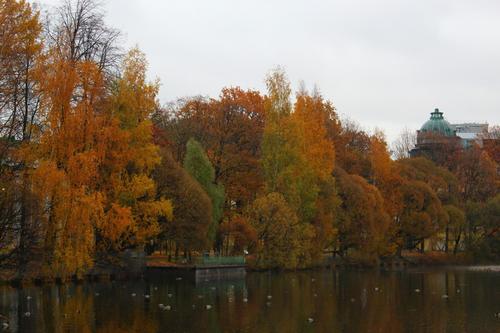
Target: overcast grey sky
384 63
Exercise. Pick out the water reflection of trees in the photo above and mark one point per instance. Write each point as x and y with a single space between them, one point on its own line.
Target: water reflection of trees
337 301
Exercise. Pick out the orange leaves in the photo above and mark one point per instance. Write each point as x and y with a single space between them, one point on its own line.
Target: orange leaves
93 163
240 232
310 114
118 219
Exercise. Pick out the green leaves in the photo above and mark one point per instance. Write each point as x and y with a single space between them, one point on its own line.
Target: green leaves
199 167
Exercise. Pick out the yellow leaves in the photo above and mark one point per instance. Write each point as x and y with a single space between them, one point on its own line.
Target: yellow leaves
144 154
147 218
142 186
282 240
136 98
118 219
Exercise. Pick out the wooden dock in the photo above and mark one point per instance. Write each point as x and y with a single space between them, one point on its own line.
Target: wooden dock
202 269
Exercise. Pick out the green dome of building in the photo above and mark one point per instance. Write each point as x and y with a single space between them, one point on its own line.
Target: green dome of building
437 124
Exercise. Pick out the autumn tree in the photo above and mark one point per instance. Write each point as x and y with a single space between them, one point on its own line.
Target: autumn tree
192 207
385 175
285 165
310 118
455 225
362 222
20 57
199 167
443 182
422 215
65 179
130 158
477 174
79 33
352 146
233 145
237 234
94 163
483 228
230 128
20 38
282 240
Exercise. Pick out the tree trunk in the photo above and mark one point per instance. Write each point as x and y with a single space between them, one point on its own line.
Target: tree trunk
457 241
446 235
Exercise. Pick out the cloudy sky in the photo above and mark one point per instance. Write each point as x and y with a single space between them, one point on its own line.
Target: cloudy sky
385 63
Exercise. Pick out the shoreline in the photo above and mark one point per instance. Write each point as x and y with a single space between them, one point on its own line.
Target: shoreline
413 261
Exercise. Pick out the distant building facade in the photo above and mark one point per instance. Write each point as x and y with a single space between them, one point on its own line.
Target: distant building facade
437 139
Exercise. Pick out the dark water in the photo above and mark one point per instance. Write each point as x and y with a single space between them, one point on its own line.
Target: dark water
336 301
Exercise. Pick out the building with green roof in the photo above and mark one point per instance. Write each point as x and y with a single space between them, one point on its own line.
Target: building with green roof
436 139
437 125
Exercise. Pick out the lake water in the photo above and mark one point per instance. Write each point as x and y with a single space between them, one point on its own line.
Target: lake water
440 300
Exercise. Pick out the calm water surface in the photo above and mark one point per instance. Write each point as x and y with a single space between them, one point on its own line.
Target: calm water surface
444 300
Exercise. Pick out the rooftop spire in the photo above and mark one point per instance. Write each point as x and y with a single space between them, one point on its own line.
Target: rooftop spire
436 114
